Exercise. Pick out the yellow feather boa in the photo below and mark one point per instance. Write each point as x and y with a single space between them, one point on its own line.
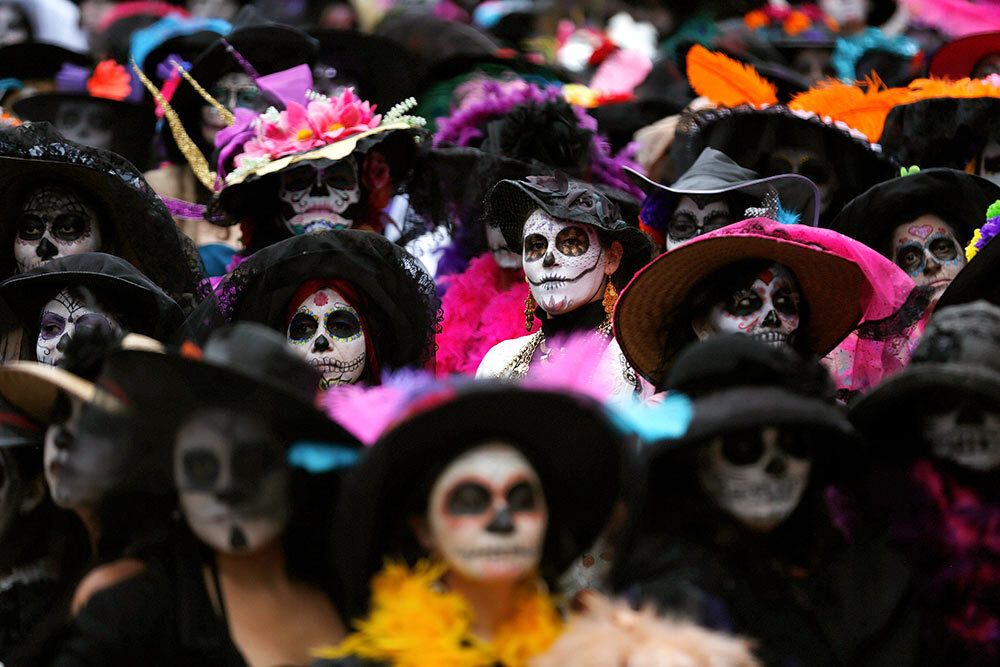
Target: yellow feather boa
412 624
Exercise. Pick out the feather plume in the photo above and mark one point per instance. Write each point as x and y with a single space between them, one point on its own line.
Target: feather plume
862 106
926 88
955 18
727 82
367 412
573 367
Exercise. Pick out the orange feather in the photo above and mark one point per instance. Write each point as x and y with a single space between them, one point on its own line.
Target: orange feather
727 82
864 110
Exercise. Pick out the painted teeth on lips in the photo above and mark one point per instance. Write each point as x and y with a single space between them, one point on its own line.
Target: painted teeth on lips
772 337
498 552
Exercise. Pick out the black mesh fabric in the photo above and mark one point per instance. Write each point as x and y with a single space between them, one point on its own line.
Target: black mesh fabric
137 225
404 314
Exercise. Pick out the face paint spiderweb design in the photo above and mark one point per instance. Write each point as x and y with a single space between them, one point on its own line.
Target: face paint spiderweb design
316 198
767 309
563 262
326 331
487 514
54 222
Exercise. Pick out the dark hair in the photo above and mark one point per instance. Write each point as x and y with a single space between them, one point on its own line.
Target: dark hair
676 332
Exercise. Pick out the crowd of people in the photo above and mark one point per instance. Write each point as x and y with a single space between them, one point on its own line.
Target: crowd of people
516 332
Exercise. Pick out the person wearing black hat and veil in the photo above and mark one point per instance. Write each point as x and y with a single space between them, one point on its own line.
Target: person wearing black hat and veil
735 526
243 580
350 302
934 433
577 253
474 510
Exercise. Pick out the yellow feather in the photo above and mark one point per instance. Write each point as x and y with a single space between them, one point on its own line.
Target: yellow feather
727 82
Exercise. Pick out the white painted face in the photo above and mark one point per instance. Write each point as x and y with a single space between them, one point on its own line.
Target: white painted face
54 222
87 123
928 250
758 477
788 160
487 514
989 162
326 331
691 219
564 262
232 90
504 258
315 198
767 309
968 434
232 480
77 476
59 320
13 25
845 12
214 9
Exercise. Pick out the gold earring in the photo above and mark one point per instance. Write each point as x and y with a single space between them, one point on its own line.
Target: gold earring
529 312
610 298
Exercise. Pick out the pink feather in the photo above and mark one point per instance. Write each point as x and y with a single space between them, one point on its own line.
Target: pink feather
956 18
367 412
573 366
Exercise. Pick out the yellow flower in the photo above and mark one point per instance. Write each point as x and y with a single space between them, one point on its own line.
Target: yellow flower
971 249
304 134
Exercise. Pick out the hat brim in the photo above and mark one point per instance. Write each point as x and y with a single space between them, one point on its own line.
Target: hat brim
33 388
831 286
956 59
940 131
977 279
796 192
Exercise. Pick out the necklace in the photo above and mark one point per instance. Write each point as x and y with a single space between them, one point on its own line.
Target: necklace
518 366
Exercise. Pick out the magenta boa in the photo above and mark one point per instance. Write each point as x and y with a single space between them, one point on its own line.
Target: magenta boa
477 316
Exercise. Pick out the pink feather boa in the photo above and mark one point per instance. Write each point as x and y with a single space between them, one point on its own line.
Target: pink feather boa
477 316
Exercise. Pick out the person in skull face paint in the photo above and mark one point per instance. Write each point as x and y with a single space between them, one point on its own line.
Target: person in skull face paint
577 252
934 429
732 527
475 509
244 559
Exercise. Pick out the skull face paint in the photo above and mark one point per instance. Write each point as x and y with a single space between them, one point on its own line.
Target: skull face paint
989 161
758 477
78 476
504 258
327 332
564 262
231 90
966 432
809 164
487 515
767 309
315 197
232 480
86 123
693 218
928 250
54 222
61 317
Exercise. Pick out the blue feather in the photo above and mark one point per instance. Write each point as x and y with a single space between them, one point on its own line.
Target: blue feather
316 457
668 419
787 216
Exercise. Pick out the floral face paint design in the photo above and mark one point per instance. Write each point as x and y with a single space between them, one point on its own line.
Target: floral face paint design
326 331
60 319
767 309
564 262
693 218
928 251
487 514
232 480
758 476
315 198
54 222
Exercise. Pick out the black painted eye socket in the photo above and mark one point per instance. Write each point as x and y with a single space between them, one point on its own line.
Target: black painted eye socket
796 443
742 449
201 468
340 176
534 247
30 227
69 227
785 303
944 249
909 258
521 497
469 498
572 241
302 327
682 227
253 460
779 165
342 324
817 171
299 179
745 304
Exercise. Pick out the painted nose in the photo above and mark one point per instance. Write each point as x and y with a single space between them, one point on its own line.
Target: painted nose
64 342
549 259
234 494
771 321
501 523
321 344
46 249
931 265
63 440
319 189
777 466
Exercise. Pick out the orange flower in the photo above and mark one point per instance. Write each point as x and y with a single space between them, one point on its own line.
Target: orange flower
796 22
756 19
110 80
832 24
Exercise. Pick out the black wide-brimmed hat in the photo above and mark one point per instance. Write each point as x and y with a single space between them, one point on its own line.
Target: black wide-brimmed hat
147 309
509 203
977 279
940 131
136 224
958 198
714 173
18 429
831 285
958 355
403 306
579 456
38 60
